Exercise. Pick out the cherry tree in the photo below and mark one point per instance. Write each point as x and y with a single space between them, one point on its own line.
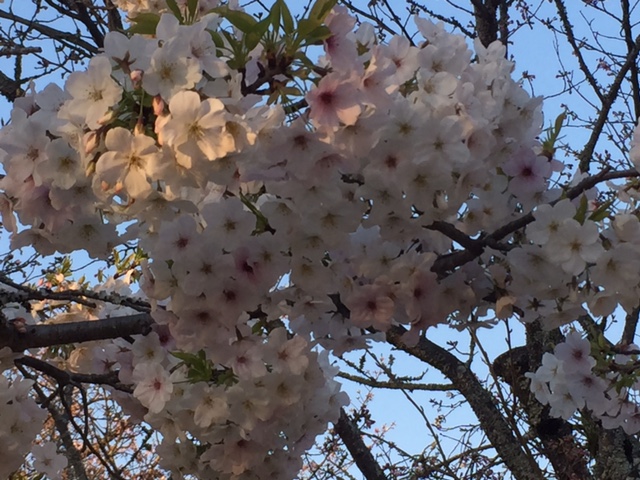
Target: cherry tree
277 197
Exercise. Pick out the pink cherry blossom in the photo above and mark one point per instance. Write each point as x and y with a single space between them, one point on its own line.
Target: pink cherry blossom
334 100
528 172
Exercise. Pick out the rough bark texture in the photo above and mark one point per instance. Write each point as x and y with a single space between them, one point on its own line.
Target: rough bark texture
352 438
487 26
37 336
618 456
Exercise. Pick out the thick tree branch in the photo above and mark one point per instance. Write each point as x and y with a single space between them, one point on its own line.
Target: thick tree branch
618 455
628 37
352 438
114 20
471 244
71 378
451 261
18 50
9 88
487 27
90 24
21 293
499 432
630 327
38 336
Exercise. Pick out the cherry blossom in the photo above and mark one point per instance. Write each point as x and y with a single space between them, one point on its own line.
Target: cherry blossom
92 93
334 101
153 388
48 461
128 165
529 172
196 127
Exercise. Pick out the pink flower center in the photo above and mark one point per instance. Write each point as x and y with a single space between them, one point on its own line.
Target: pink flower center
326 98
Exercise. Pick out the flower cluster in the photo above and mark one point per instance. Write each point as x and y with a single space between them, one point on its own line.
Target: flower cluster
259 410
568 380
21 419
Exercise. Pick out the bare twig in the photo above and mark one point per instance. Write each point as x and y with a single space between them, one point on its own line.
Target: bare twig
609 99
499 432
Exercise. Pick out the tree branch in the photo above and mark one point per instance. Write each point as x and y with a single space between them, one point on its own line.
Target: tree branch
9 88
71 378
499 432
114 21
90 24
352 438
24 293
70 39
486 21
609 99
447 263
395 385
61 422
630 327
38 336
628 37
568 30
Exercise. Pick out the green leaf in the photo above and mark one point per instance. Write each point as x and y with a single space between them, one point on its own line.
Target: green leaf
581 213
287 19
558 124
274 15
321 9
552 135
187 358
262 224
306 61
256 33
241 20
601 212
192 7
306 26
261 27
217 39
251 40
144 24
200 369
173 6
317 35
239 56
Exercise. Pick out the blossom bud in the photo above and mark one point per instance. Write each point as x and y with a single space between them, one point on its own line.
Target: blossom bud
136 78
90 141
158 105
160 122
139 128
106 118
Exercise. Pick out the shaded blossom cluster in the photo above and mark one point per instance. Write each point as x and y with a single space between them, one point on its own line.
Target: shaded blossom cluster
569 380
